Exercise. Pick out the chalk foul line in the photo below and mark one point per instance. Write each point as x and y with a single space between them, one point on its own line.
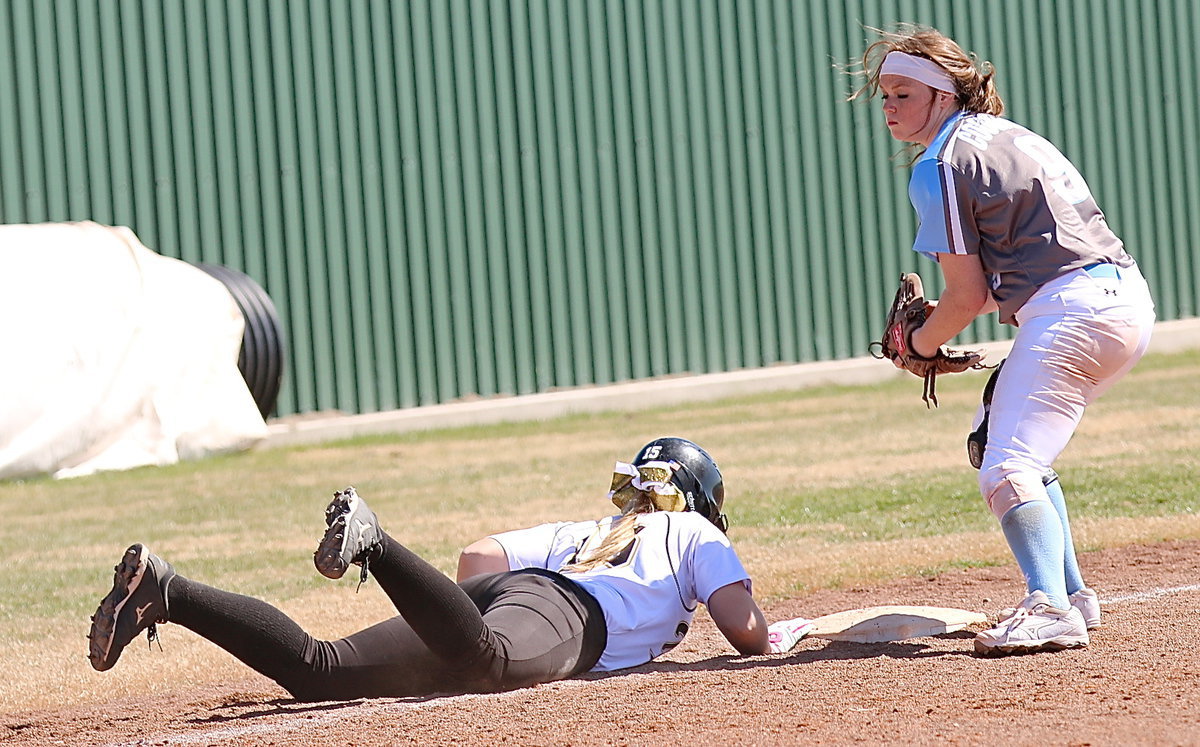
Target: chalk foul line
1151 594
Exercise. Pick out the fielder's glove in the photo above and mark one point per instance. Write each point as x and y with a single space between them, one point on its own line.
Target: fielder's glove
908 312
783 635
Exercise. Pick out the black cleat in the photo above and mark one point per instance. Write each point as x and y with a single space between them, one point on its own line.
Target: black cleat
137 602
352 535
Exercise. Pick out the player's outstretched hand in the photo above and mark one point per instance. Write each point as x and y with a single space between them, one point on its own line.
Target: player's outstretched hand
783 635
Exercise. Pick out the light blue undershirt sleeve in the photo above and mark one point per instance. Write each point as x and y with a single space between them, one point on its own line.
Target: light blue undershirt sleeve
925 193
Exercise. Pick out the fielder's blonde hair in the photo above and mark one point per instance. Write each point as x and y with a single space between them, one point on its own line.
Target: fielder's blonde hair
974 80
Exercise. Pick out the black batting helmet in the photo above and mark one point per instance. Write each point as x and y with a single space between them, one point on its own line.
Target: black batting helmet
698 476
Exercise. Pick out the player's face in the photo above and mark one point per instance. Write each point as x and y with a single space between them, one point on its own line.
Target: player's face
913 110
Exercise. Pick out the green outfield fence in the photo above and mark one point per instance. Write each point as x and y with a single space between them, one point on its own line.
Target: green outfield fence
447 198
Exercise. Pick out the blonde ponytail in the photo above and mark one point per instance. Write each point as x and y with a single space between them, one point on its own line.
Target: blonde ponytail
618 537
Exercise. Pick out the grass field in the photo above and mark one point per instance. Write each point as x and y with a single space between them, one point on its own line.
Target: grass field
826 487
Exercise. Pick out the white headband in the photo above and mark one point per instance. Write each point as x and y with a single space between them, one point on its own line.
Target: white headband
919 69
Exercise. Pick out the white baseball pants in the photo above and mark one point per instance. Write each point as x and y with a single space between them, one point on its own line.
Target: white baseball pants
1078 335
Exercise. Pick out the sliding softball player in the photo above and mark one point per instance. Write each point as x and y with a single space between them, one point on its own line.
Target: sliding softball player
569 598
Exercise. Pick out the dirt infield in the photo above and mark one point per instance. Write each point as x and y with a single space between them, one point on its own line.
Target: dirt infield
1136 684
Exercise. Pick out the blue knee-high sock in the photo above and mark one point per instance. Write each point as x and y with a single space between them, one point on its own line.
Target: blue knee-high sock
1035 536
1070 563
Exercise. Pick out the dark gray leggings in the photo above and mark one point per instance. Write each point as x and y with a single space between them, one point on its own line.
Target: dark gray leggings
494 632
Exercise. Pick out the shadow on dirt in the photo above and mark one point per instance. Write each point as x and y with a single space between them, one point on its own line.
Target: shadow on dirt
831 651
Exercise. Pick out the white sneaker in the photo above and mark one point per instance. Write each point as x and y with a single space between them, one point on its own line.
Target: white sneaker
1085 600
1088 604
1034 626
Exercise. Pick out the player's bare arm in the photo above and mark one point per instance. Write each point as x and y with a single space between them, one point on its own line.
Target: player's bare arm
966 296
739 618
481 556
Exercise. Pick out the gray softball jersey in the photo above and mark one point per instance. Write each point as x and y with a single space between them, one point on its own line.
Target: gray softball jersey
991 187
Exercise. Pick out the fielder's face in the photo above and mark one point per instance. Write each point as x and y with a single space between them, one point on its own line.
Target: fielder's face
913 110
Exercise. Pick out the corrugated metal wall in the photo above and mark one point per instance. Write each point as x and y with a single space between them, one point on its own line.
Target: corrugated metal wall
450 197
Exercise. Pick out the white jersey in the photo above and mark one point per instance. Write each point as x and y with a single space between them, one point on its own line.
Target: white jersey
650 592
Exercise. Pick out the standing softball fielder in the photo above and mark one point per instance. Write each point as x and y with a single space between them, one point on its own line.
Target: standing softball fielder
1015 229
569 597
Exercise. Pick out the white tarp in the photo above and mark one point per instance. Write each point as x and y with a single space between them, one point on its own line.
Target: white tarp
114 356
